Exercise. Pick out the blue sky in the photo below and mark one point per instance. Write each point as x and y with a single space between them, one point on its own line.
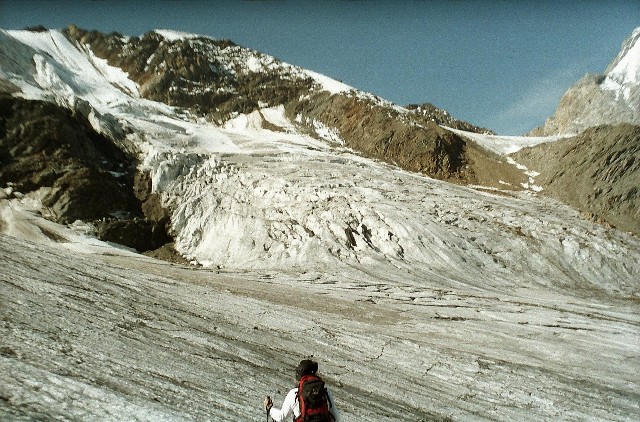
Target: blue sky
499 64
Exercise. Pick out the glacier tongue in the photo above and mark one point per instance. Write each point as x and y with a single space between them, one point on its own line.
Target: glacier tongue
287 202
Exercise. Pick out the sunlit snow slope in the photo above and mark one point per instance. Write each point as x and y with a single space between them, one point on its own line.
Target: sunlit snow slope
461 303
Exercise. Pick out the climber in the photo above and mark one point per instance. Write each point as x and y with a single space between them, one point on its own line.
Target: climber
309 401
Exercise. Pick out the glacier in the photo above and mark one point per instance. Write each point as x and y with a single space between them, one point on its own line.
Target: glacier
421 299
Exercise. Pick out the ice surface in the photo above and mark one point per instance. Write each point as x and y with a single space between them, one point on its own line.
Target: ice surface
627 70
94 332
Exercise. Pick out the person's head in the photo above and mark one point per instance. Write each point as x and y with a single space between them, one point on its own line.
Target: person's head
306 367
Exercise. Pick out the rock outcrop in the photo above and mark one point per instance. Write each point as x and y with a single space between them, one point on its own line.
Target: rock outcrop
45 145
82 174
597 172
211 77
389 134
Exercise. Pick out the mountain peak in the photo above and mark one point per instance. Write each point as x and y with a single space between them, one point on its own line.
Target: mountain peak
623 74
597 99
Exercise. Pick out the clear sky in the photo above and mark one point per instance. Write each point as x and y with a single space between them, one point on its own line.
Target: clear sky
497 63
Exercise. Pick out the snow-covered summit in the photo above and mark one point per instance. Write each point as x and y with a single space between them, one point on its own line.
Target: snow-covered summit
625 66
623 74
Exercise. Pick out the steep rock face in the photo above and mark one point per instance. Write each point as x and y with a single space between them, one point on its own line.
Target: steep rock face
611 98
85 175
410 139
385 133
597 172
42 144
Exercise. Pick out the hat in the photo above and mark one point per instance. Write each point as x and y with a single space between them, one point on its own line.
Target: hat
306 367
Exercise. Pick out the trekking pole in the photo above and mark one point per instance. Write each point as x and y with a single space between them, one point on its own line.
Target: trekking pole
268 399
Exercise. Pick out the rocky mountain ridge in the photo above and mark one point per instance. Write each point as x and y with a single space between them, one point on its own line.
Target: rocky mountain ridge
214 78
219 80
443 118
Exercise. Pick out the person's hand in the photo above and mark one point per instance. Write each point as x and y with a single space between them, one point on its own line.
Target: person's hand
268 404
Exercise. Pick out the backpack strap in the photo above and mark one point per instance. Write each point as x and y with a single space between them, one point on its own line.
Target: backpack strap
298 392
